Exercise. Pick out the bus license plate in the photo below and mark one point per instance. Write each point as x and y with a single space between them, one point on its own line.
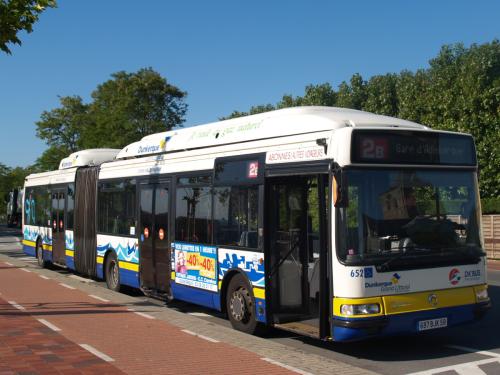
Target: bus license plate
424 325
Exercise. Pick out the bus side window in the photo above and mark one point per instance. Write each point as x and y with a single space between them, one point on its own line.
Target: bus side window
116 207
193 213
236 216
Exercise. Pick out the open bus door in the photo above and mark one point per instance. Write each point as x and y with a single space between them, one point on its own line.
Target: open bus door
297 253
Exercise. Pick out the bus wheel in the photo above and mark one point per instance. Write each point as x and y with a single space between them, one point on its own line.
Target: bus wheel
112 272
39 255
240 305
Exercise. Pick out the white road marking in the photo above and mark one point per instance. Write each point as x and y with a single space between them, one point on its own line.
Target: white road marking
81 279
207 338
200 336
294 369
50 325
147 316
97 353
9 264
27 258
44 277
469 368
16 305
99 298
472 350
25 270
198 314
66 286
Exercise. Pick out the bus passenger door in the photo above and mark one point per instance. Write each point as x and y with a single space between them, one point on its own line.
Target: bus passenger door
58 226
161 240
154 240
296 233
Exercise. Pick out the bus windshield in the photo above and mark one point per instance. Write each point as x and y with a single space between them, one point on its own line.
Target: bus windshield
409 218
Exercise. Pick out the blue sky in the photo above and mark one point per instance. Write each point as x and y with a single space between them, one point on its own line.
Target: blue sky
227 55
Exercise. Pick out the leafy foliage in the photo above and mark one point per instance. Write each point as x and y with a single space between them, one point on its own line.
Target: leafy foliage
19 15
132 105
459 91
124 109
490 205
63 127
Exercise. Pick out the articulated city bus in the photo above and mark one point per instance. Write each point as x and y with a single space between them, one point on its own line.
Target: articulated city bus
333 223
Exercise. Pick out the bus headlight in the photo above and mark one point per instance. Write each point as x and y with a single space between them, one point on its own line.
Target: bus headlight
481 294
365 309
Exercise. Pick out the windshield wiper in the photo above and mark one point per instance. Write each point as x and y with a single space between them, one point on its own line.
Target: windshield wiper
405 251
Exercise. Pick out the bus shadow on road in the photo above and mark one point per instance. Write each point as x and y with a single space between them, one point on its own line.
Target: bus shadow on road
63 308
481 335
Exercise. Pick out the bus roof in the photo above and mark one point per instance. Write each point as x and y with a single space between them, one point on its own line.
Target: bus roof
279 123
69 165
95 156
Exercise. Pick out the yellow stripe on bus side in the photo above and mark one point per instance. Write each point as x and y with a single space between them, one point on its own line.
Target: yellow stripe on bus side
129 266
47 247
29 243
259 293
100 260
70 253
172 275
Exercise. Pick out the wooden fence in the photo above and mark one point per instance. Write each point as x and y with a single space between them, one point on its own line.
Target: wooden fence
491 232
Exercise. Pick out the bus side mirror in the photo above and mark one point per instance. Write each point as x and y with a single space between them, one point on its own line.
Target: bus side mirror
339 189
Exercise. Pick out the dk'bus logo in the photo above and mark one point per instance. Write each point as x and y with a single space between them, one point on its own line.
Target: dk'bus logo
454 276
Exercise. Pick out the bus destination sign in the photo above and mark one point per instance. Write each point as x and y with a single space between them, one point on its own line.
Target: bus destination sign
412 147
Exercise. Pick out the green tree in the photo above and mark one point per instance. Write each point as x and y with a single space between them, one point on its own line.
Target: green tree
62 128
19 15
50 158
412 89
464 96
322 94
253 111
381 95
352 95
132 105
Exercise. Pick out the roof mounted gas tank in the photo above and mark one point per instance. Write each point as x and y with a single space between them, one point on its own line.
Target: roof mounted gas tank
95 156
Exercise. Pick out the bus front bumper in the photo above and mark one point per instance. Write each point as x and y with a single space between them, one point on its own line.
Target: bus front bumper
345 329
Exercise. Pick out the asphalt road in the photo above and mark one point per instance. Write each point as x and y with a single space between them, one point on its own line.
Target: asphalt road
471 349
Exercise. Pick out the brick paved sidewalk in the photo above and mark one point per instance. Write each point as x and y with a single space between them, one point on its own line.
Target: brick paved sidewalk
135 343
29 347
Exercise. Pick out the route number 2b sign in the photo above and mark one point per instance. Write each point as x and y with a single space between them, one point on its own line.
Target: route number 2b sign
374 148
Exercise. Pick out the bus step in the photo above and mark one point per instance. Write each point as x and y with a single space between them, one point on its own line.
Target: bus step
300 328
157 294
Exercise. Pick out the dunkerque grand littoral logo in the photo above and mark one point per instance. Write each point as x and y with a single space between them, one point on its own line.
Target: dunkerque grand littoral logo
395 278
454 276
163 143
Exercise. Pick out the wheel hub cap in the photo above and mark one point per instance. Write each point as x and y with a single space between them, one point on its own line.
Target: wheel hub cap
238 307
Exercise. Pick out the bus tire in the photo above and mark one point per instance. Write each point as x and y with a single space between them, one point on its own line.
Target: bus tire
240 305
39 255
112 272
